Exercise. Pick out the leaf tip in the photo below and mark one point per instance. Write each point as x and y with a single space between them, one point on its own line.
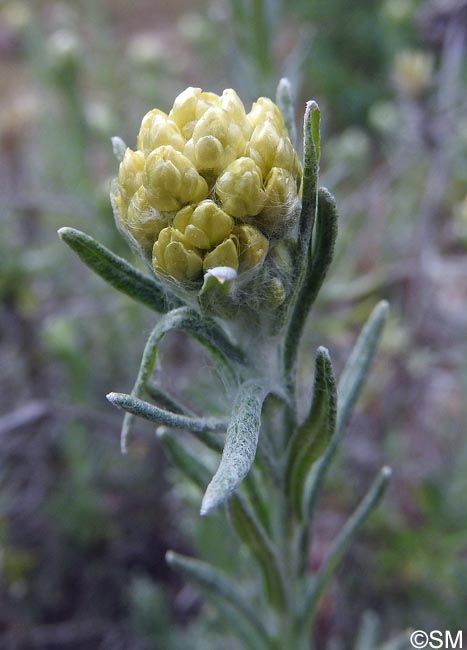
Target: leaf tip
64 231
113 398
323 352
383 307
386 473
311 106
170 557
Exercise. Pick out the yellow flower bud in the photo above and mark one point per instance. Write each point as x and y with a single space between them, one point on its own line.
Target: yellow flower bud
240 189
143 221
269 148
225 254
171 181
253 246
189 106
130 174
156 130
174 256
264 110
205 225
217 140
233 105
281 198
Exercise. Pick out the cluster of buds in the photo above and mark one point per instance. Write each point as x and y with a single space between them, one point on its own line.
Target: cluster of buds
208 185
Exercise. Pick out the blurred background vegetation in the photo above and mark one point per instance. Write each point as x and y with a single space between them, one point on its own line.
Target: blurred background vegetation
83 531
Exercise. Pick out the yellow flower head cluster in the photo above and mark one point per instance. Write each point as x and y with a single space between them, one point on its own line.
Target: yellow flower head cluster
208 184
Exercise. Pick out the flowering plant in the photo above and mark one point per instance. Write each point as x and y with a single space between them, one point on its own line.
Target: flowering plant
238 239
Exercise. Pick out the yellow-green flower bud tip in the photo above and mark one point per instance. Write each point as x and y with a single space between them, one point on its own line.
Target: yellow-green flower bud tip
171 180
281 198
144 222
217 140
253 246
233 105
264 110
189 106
157 130
130 173
240 189
205 225
223 255
269 148
174 256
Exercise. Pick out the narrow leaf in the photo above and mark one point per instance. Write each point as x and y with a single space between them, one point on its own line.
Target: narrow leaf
155 414
240 445
218 585
313 436
115 270
367 505
285 102
323 246
311 152
184 460
349 388
255 538
205 331
315 273
257 500
356 369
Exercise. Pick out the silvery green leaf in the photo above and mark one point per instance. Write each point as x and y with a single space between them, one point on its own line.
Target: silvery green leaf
240 445
356 369
115 270
190 466
311 154
349 388
155 414
313 436
118 147
255 538
225 354
285 102
340 543
317 266
218 585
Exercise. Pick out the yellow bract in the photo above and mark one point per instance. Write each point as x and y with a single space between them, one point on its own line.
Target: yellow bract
208 184
172 254
157 130
240 189
171 180
130 173
253 245
204 225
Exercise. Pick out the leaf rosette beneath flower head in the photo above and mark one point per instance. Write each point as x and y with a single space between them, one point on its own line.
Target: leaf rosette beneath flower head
209 186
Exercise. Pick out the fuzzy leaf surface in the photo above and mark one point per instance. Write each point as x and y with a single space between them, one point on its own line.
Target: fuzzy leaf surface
115 270
311 153
206 331
349 388
313 436
240 445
